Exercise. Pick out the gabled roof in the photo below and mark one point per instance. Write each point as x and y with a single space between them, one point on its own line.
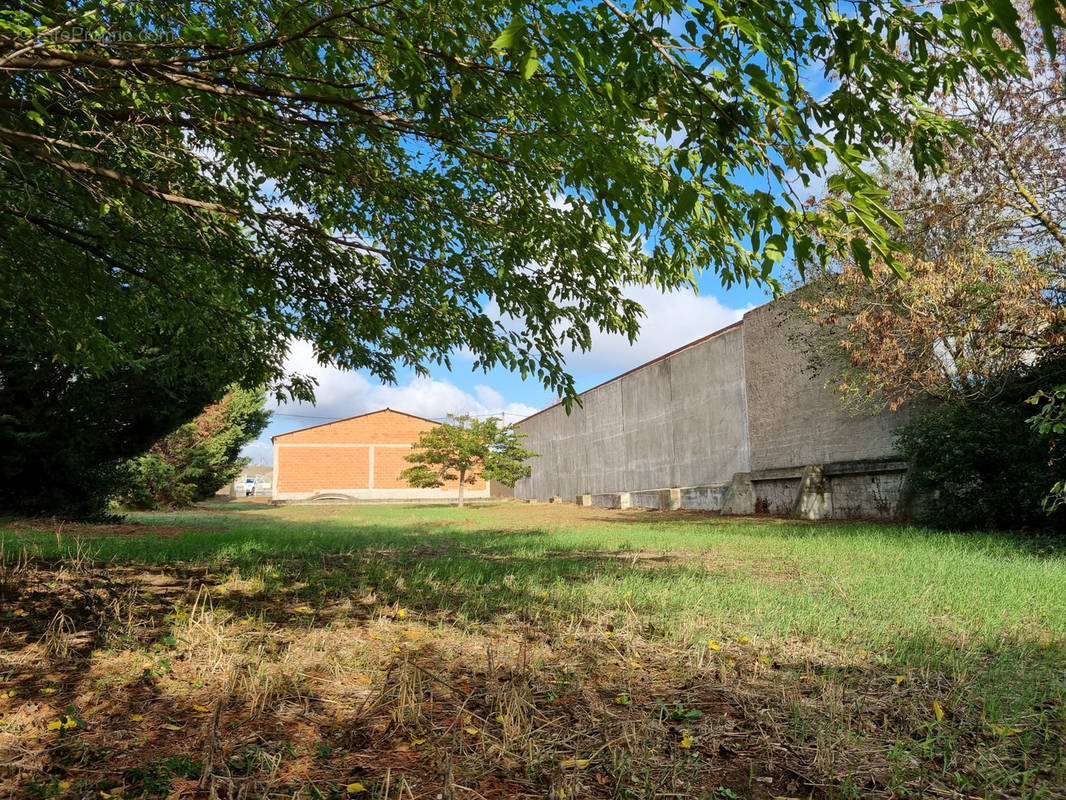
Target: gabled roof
356 416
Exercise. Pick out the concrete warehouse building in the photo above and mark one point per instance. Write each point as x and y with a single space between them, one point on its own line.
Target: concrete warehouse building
358 458
732 422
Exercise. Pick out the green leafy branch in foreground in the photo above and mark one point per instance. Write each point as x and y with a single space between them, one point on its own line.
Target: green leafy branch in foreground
394 181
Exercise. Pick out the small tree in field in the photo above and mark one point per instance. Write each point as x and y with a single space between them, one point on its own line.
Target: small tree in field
465 449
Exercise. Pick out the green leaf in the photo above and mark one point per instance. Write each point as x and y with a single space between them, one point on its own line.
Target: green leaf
862 256
529 63
1048 15
775 248
511 36
1006 16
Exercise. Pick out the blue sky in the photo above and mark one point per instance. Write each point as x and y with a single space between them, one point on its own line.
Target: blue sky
672 321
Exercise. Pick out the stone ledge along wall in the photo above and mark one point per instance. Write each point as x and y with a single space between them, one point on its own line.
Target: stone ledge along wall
734 421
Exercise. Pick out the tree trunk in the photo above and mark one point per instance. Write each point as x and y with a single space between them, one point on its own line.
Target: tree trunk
462 481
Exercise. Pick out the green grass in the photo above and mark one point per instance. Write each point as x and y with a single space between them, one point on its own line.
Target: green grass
867 584
900 616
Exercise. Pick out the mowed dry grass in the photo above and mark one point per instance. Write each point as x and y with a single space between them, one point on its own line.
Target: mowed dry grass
526 651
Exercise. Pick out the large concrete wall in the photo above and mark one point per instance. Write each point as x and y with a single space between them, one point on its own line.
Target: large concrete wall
733 419
793 419
678 421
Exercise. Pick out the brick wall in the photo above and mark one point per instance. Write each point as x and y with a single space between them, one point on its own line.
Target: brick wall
361 453
311 469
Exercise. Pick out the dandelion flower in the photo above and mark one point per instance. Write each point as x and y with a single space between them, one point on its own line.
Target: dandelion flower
711 643
686 740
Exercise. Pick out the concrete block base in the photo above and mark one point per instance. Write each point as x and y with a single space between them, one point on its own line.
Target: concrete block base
669 499
814 499
584 500
740 496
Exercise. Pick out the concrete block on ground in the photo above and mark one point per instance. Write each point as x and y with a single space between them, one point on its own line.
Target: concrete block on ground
584 500
648 499
555 499
740 496
624 500
669 499
704 498
814 500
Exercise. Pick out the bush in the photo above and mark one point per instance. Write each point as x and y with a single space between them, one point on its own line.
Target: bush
981 463
200 457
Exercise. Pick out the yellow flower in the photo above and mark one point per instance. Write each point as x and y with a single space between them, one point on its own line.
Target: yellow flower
202 709
63 785
743 640
401 613
18 612
49 690
623 700
136 717
686 740
473 731
711 643
63 723
900 679
355 788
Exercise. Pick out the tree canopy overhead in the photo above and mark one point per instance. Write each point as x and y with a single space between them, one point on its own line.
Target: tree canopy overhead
395 180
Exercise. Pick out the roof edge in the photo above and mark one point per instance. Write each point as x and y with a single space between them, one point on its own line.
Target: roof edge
354 416
655 360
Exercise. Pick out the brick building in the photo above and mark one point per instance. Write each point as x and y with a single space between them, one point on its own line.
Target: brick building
359 458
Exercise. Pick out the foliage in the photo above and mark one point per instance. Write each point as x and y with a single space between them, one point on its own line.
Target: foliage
986 267
393 181
1051 421
959 320
979 463
201 456
65 432
464 449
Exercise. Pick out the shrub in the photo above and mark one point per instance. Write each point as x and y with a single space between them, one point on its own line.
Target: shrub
980 463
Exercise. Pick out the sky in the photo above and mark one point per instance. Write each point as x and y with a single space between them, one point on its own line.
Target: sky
672 320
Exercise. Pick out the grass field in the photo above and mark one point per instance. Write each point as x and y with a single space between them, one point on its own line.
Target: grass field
242 651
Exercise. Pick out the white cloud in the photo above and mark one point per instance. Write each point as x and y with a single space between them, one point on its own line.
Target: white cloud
672 320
